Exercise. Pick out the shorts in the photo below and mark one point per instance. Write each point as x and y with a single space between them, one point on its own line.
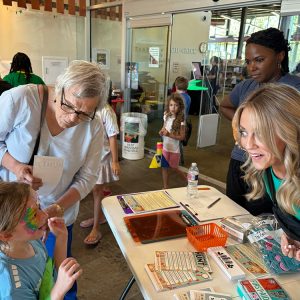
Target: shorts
172 158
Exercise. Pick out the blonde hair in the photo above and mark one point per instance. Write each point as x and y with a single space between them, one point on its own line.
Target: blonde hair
13 199
275 113
180 114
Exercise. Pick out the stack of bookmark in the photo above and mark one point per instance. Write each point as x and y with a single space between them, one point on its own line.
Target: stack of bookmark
173 269
203 294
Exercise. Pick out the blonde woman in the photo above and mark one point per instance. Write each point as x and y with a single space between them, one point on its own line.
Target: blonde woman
268 126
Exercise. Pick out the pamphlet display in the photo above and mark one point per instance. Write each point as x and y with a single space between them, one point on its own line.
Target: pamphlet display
261 289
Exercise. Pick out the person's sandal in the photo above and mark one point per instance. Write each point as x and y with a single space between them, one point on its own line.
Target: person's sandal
87 223
94 241
90 222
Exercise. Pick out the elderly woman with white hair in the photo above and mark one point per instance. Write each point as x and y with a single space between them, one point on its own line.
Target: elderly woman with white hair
65 126
267 126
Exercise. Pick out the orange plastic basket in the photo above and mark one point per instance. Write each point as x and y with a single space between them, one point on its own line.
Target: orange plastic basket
206 235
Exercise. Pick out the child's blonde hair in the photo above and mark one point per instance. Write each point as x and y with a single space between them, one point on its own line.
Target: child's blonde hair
13 200
180 115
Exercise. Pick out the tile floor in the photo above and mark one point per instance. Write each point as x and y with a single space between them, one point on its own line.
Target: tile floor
105 270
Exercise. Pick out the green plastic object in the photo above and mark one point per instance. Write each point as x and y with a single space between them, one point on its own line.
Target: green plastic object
47 281
196 85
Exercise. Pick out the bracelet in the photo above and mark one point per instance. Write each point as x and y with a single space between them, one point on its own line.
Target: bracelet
60 208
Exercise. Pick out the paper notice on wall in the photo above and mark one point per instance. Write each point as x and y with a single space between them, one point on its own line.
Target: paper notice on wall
175 67
154 57
50 170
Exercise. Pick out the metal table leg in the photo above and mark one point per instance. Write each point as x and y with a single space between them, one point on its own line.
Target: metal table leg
127 288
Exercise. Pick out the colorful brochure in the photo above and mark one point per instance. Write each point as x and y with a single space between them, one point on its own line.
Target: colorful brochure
186 295
181 261
247 258
168 280
149 201
261 289
206 295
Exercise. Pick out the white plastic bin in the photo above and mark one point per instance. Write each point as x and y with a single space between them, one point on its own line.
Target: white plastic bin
133 131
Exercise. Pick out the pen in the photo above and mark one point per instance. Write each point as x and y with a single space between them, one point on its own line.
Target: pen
212 204
189 211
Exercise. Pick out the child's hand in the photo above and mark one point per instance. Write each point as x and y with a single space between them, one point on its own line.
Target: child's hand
58 227
68 272
116 168
163 132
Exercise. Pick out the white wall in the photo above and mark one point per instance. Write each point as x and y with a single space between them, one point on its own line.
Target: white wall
189 30
38 34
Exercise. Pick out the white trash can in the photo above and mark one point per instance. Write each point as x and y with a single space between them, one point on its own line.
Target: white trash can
133 131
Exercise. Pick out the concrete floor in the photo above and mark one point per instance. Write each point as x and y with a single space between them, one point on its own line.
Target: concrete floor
105 270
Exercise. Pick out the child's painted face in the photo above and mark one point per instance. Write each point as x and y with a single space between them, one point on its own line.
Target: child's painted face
173 107
33 221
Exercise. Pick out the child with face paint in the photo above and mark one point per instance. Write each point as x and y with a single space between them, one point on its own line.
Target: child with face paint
26 272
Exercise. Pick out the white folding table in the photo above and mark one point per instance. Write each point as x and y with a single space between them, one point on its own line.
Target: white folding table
137 254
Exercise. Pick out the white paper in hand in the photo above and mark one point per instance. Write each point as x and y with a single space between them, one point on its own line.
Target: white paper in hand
49 169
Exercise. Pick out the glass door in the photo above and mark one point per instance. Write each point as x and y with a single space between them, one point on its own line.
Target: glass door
146 72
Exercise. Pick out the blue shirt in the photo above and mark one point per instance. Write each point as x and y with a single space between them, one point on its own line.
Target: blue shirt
80 146
240 93
21 278
187 103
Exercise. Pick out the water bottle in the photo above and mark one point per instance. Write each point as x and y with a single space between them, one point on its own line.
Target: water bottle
192 187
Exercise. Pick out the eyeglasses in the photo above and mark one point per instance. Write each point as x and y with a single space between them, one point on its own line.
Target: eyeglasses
68 108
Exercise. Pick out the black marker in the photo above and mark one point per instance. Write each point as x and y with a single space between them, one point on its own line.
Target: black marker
215 202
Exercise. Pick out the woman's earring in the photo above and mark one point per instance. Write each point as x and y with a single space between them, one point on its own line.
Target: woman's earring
279 65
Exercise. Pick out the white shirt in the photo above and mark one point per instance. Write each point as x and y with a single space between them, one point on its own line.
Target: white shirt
170 144
110 125
80 146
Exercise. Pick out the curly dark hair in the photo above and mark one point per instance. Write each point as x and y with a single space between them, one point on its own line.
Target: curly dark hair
272 38
180 114
21 62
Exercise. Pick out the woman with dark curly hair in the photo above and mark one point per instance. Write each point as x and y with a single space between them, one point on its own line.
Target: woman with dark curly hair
266 57
20 72
173 131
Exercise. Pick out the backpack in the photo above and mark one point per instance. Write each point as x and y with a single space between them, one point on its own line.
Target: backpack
188 132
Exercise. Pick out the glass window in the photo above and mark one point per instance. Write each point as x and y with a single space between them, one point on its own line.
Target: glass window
106 36
294 39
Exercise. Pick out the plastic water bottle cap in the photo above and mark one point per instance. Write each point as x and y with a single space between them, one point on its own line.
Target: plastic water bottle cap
194 164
